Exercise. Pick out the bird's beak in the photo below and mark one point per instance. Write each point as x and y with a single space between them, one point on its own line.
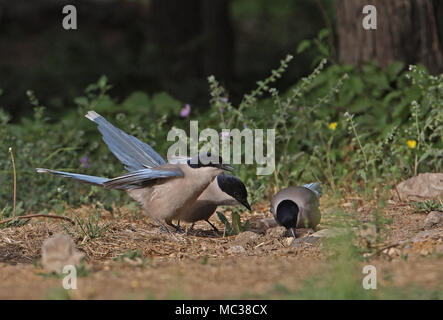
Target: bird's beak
226 167
246 204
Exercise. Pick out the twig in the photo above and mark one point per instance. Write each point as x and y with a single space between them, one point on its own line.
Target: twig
15 180
384 248
398 194
30 216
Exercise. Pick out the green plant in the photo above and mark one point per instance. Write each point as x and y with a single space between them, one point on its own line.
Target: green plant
428 206
394 116
135 256
58 294
89 227
319 45
82 272
235 227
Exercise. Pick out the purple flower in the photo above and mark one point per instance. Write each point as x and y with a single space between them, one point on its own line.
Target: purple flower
224 134
224 100
84 162
245 125
185 112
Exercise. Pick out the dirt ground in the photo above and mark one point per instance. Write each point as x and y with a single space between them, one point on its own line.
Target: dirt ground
204 265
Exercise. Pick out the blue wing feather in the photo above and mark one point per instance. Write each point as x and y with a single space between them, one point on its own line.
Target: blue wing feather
132 152
139 178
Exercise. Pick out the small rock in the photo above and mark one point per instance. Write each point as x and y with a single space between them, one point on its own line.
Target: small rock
433 234
246 238
264 224
310 239
433 219
277 232
289 240
422 187
328 233
393 252
298 242
236 250
58 252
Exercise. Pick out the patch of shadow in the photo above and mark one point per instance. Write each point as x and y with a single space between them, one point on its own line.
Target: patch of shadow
205 233
13 254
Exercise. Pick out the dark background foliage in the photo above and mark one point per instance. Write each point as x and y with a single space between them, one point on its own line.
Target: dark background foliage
152 46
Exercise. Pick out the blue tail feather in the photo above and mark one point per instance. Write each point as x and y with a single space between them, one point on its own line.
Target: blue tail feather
97 181
314 187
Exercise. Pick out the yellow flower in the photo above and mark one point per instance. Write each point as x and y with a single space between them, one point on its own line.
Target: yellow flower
412 144
333 125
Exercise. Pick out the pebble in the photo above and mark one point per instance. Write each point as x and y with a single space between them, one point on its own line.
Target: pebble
236 250
433 219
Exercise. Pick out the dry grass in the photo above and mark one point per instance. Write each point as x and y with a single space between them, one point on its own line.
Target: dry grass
200 264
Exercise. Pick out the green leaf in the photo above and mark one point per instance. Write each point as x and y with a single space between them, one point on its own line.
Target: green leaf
305 44
102 82
236 223
225 221
323 33
394 69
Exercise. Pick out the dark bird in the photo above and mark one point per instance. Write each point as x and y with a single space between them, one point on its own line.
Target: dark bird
225 190
297 207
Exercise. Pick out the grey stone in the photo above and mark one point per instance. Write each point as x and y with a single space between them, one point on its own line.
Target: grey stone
422 187
58 252
264 224
236 250
433 219
433 234
277 232
328 233
246 238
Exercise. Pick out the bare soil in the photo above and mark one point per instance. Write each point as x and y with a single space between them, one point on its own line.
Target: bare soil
204 265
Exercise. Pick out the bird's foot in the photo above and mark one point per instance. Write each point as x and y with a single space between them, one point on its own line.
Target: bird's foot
163 228
177 227
190 229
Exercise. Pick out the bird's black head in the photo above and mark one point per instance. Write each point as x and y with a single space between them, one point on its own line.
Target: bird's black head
234 187
287 214
209 160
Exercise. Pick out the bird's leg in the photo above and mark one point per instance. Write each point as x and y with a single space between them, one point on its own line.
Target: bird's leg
294 235
162 226
213 227
176 227
191 228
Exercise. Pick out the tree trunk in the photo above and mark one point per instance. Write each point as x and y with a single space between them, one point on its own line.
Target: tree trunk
178 29
406 31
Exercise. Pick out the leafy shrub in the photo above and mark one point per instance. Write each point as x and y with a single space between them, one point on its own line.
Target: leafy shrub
352 128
